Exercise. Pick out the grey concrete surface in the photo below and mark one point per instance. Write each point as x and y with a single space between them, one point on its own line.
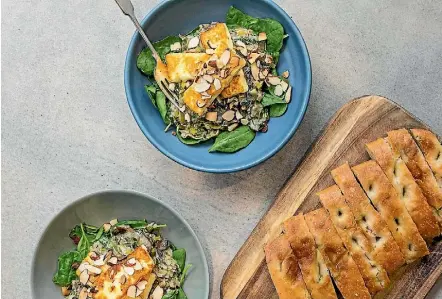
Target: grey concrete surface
67 130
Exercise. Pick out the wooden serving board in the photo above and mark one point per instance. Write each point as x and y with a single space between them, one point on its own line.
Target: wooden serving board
358 122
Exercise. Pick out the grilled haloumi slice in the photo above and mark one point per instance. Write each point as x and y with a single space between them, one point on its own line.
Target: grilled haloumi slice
237 86
216 37
183 67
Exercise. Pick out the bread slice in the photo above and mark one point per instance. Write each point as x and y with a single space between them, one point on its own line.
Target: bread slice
432 150
426 218
284 270
375 277
403 144
338 260
385 249
313 268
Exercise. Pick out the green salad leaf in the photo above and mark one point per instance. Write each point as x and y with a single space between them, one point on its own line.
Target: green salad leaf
162 106
229 142
65 273
152 93
272 28
179 255
85 242
181 294
184 273
171 294
188 140
146 63
269 100
277 110
137 224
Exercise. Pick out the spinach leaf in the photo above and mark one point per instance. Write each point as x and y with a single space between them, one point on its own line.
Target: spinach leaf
151 92
162 107
85 242
179 255
146 63
272 28
269 100
65 273
171 294
136 224
229 142
188 140
278 110
181 294
90 232
184 273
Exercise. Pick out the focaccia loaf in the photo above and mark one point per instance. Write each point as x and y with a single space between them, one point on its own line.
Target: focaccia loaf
284 270
426 218
338 260
385 249
375 277
402 143
432 149
313 268
386 200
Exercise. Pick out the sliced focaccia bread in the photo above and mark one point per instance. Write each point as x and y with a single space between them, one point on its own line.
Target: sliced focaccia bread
338 260
375 277
432 149
426 218
386 200
284 270
313 268
385 249
403 144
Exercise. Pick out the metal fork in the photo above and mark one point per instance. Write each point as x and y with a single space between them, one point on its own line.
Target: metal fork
128 9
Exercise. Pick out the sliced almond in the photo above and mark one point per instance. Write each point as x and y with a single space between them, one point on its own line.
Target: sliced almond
187 118
238 115
201 103
240 44
252 57
223 74
129 270
278 91
94 256
225 57
217 84
263 74
273 80
138 293
211 45
100 261
113 260
255 71
132 292
172 86
188 83
84 277
213 63
93 269
113 222
65 291
232 127
268 59
106 227
122 279
210 51
288 95
212 116
138 266
286 74
228 115
175 46
262 36
201 86
108 255
243 51
157 293
82 266
83 294
234 61
142 285
208 78
131 262
284 85
211 72
193 42
205 96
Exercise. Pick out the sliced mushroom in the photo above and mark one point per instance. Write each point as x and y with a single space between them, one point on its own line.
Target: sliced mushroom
212 116
252 57
225 57
201 86
217 84
132 292
175 46
262 36
208 78
193 42
238 115
286 74
255 71
228 115
84 277
278 90
288 95
273 80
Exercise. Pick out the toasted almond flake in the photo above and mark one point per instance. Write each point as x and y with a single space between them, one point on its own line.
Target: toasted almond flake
284 85
132 292
213 63
93 269
83 294
142 285
188 83
84 277
82 266
278 90
182 108
263 74
172 86
211 45
113 260
288 95
252 57
225 57
217 84
234 61
193 42
129 270
201 86
243 51
131 262
228 115
273 80
65 291
123 279
113 222
232 127
223 74
238 115
240 44
157 293
108 255
138 293
106 227
100 261
208 78
286 74
187 118
268 59
255 71
138 266
94 256
210 51
211 116
175 46
262 36
211 72
201 103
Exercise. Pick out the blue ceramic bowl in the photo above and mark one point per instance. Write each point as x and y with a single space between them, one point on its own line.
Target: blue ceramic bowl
180 16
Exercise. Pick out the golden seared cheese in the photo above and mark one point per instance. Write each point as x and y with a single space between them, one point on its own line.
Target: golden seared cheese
161 71
117 281
198 99
182 67
217 37
236 87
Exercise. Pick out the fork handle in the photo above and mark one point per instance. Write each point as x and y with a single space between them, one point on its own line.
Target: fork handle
144 36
